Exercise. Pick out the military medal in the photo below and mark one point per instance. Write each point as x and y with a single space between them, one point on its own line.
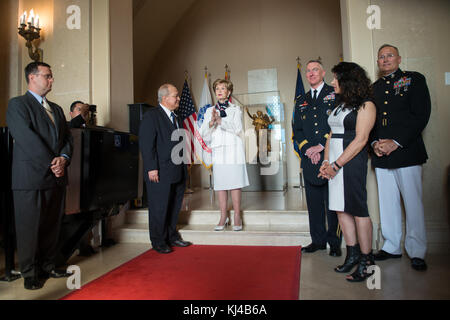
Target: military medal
402 83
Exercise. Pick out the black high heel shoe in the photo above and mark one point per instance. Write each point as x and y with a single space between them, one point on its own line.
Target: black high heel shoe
361 273
351 259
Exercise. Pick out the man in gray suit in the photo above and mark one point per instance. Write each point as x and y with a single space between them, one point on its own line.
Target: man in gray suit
41 151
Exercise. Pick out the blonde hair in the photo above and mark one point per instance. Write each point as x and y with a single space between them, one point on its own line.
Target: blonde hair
226 82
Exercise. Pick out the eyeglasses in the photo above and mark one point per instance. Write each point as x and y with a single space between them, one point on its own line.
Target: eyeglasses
387 56
46 76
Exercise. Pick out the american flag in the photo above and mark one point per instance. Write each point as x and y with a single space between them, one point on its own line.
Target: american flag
189 117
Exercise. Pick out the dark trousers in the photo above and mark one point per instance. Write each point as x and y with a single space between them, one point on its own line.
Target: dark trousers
164 204
317 201
38 215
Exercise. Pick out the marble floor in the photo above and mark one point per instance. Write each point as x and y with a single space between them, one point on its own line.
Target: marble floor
318 281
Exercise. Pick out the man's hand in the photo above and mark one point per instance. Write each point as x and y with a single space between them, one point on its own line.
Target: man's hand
58 166
315 158
153 176
314 153
387 146
376 149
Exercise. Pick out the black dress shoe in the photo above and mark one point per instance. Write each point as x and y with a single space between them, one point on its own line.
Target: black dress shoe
418 264
335 251
32 283
180 243
383 255
86 251
314 247
162 249
57 273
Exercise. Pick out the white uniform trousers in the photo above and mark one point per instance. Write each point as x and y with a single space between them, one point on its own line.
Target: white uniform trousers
406 182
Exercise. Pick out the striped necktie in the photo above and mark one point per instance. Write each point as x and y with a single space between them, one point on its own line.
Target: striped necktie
48 109
174 119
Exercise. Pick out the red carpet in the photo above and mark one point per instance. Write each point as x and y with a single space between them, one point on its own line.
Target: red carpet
201 272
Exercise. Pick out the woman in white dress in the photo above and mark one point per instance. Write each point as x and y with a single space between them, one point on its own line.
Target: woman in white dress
222 131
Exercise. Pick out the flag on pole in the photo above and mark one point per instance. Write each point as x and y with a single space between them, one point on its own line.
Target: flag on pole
203 153
298 100
205 102
227 77
188 116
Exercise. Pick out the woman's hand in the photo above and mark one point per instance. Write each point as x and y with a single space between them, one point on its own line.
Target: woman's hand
330 172
323 170
213 121
327 170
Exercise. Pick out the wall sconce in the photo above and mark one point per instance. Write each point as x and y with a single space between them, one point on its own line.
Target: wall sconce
30 34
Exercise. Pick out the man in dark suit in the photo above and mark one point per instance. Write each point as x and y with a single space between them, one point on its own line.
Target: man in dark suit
165 176
403 110
311 130
42 150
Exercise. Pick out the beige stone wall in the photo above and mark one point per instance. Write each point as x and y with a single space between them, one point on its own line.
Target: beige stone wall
86 64
121 48
67 51
421 34
101 60
9 80
69 55
246 35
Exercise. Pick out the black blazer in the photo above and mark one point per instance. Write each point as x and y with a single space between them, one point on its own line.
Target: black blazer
37 141
310 128
403 110
155 142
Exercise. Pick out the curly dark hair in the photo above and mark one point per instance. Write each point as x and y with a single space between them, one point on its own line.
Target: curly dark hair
354 83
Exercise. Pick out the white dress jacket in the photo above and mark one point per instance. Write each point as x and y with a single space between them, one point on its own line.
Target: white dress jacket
228 153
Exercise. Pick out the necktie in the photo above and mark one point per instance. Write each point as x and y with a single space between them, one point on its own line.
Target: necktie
315 96
174 119
48 109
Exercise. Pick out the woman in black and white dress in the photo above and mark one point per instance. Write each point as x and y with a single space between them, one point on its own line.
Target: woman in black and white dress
345 164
